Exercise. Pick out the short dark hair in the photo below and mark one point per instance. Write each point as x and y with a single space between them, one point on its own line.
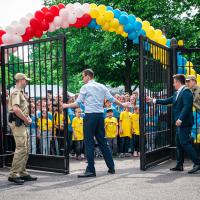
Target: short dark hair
88 72
180 78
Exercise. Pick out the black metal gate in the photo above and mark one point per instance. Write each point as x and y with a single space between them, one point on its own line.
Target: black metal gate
155 120
44 61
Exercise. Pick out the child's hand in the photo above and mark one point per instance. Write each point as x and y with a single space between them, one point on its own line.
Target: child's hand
75 136
120 130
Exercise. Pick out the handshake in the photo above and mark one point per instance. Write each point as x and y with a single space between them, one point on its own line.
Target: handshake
150 99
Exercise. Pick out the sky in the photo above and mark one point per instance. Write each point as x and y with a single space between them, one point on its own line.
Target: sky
11 10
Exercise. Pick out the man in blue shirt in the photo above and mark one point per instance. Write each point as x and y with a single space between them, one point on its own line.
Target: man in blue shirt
93 94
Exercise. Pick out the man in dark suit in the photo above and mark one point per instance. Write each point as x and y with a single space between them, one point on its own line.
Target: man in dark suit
182 102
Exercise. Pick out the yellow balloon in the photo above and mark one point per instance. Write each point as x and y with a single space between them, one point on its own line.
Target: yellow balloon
198 79
94 13
109 15
93 5
162 40
124 34
111 30
150 32
157 35
138 19
114 23
189 64
101 20
120 29
145 24
106 26
102 8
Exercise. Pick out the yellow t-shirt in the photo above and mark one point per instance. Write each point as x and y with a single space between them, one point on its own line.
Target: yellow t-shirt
126 120
135 123
77 125
111 127
44 123
197 140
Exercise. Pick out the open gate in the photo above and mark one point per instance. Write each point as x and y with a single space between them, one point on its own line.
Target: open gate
44 61
155 120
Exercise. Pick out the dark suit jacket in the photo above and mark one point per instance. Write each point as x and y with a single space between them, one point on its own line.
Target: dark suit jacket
182 107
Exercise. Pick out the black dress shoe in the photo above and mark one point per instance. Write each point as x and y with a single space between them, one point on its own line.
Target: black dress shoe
194 169
180 168
87 175
16 180
111 171
28 178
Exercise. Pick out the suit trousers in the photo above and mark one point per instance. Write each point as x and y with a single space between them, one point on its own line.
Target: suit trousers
183 144
93 126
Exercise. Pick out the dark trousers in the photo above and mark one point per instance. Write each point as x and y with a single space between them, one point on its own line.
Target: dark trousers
183 144
78 147
136 143
124 144
93 125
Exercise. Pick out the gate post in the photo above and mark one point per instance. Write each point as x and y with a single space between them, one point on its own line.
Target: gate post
173 47
4 106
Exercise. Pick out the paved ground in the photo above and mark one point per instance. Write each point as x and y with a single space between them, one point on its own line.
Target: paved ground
128 183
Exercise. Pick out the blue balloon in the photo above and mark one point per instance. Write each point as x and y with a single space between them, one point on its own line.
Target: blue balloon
182 70
117 13
168 42
124 13
123 19
92 24
132 19
109 8
184 60
142 32
97 27
136 41
132 35
137 25
128 28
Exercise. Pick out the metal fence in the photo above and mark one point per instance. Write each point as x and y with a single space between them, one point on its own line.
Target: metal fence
44 61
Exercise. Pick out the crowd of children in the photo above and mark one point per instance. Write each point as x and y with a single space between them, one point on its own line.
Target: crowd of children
47 128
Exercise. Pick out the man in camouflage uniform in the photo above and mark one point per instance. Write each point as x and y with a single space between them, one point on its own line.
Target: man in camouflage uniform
192 84
18 120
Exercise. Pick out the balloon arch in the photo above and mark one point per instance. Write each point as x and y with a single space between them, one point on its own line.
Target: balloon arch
87 15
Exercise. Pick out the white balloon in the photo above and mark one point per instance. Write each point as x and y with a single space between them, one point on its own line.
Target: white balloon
17 39
63 13
20 29
29 16
57 21
79 12
10 29
52 28
86 7
24 21
72 19
65 24
14 23
69 7
7 38
77 4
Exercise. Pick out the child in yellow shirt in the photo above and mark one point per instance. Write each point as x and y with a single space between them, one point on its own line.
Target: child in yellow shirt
125 132
45 132
111 130
136 130
77 137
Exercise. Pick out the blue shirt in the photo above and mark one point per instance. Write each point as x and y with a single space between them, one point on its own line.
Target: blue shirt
92 95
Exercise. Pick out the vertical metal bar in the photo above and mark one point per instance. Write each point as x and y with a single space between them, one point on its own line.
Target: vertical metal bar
142 104
66 132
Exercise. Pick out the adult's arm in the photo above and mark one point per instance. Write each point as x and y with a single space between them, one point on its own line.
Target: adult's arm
164 101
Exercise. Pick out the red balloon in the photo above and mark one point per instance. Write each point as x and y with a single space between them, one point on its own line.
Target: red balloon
54 10
35 23
38 33
61 5
25 38
2 32
39 15
79 23
45 25
1 42
48 17
86 19
44 9
29 32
